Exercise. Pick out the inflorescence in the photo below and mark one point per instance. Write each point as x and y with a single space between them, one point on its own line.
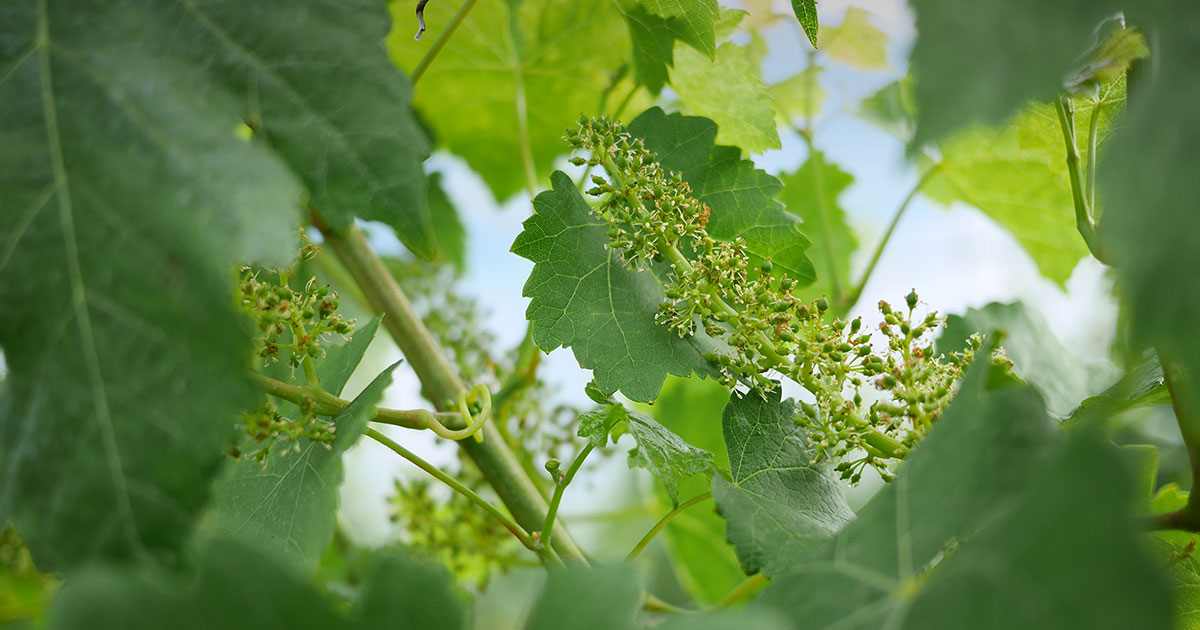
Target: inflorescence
653 217
295 324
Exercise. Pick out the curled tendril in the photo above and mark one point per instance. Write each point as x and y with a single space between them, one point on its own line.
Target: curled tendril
420 19
482 395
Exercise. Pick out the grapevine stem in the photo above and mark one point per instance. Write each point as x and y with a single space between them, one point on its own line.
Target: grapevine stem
662 522
1093 142
441 384
1181 386
458 487
1083 214
441 40
887 236
327 404
739 592
560 488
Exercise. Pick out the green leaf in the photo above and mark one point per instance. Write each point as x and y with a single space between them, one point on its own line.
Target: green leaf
126 194
981 515
1143 386
811 193
727 619
1038 356
806 12
1142 462
856 42
704 564
798 97
119 227
978 63
238 588
1150 225
742 199
512 71
666 455
893 109
587 598
288 504
448 229
777 505
583 297
729 90
1018 177
341 361
655 26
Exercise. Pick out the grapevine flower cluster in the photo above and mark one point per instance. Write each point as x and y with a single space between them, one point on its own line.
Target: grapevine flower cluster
652 217
296 323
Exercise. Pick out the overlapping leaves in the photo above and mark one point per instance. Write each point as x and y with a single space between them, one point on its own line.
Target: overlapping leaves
512 78
288 504
655 26
992 508
778 506
126 194
585 298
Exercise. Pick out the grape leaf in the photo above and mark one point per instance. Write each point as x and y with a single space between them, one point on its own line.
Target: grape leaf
856 42
1038 357
777 505
978 63
893 109
587 598
729 90
811 193
798 97
512 70
975 521
239 588
119 226
655 25
806 12
287 505
1142 386
1150 224
448 229
704 564
666 455
583 297
743 199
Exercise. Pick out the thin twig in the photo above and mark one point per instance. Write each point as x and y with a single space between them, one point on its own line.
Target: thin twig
559 488
441 40
327 404
852 299
458 487
662 522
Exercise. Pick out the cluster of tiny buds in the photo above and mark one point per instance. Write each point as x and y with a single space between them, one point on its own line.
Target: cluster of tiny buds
649 211
266 425
302 317
766 331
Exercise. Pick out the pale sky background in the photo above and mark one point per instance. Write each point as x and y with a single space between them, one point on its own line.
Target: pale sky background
956 258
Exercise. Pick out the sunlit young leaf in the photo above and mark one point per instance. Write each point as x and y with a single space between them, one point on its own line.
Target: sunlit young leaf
743 199
856 42
729 90
777 504
511 79
655 26
893 108
585 298
811 193
798 98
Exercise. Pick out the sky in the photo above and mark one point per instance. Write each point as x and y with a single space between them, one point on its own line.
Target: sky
954 257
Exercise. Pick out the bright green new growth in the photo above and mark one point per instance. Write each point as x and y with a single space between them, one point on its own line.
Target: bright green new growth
653 216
